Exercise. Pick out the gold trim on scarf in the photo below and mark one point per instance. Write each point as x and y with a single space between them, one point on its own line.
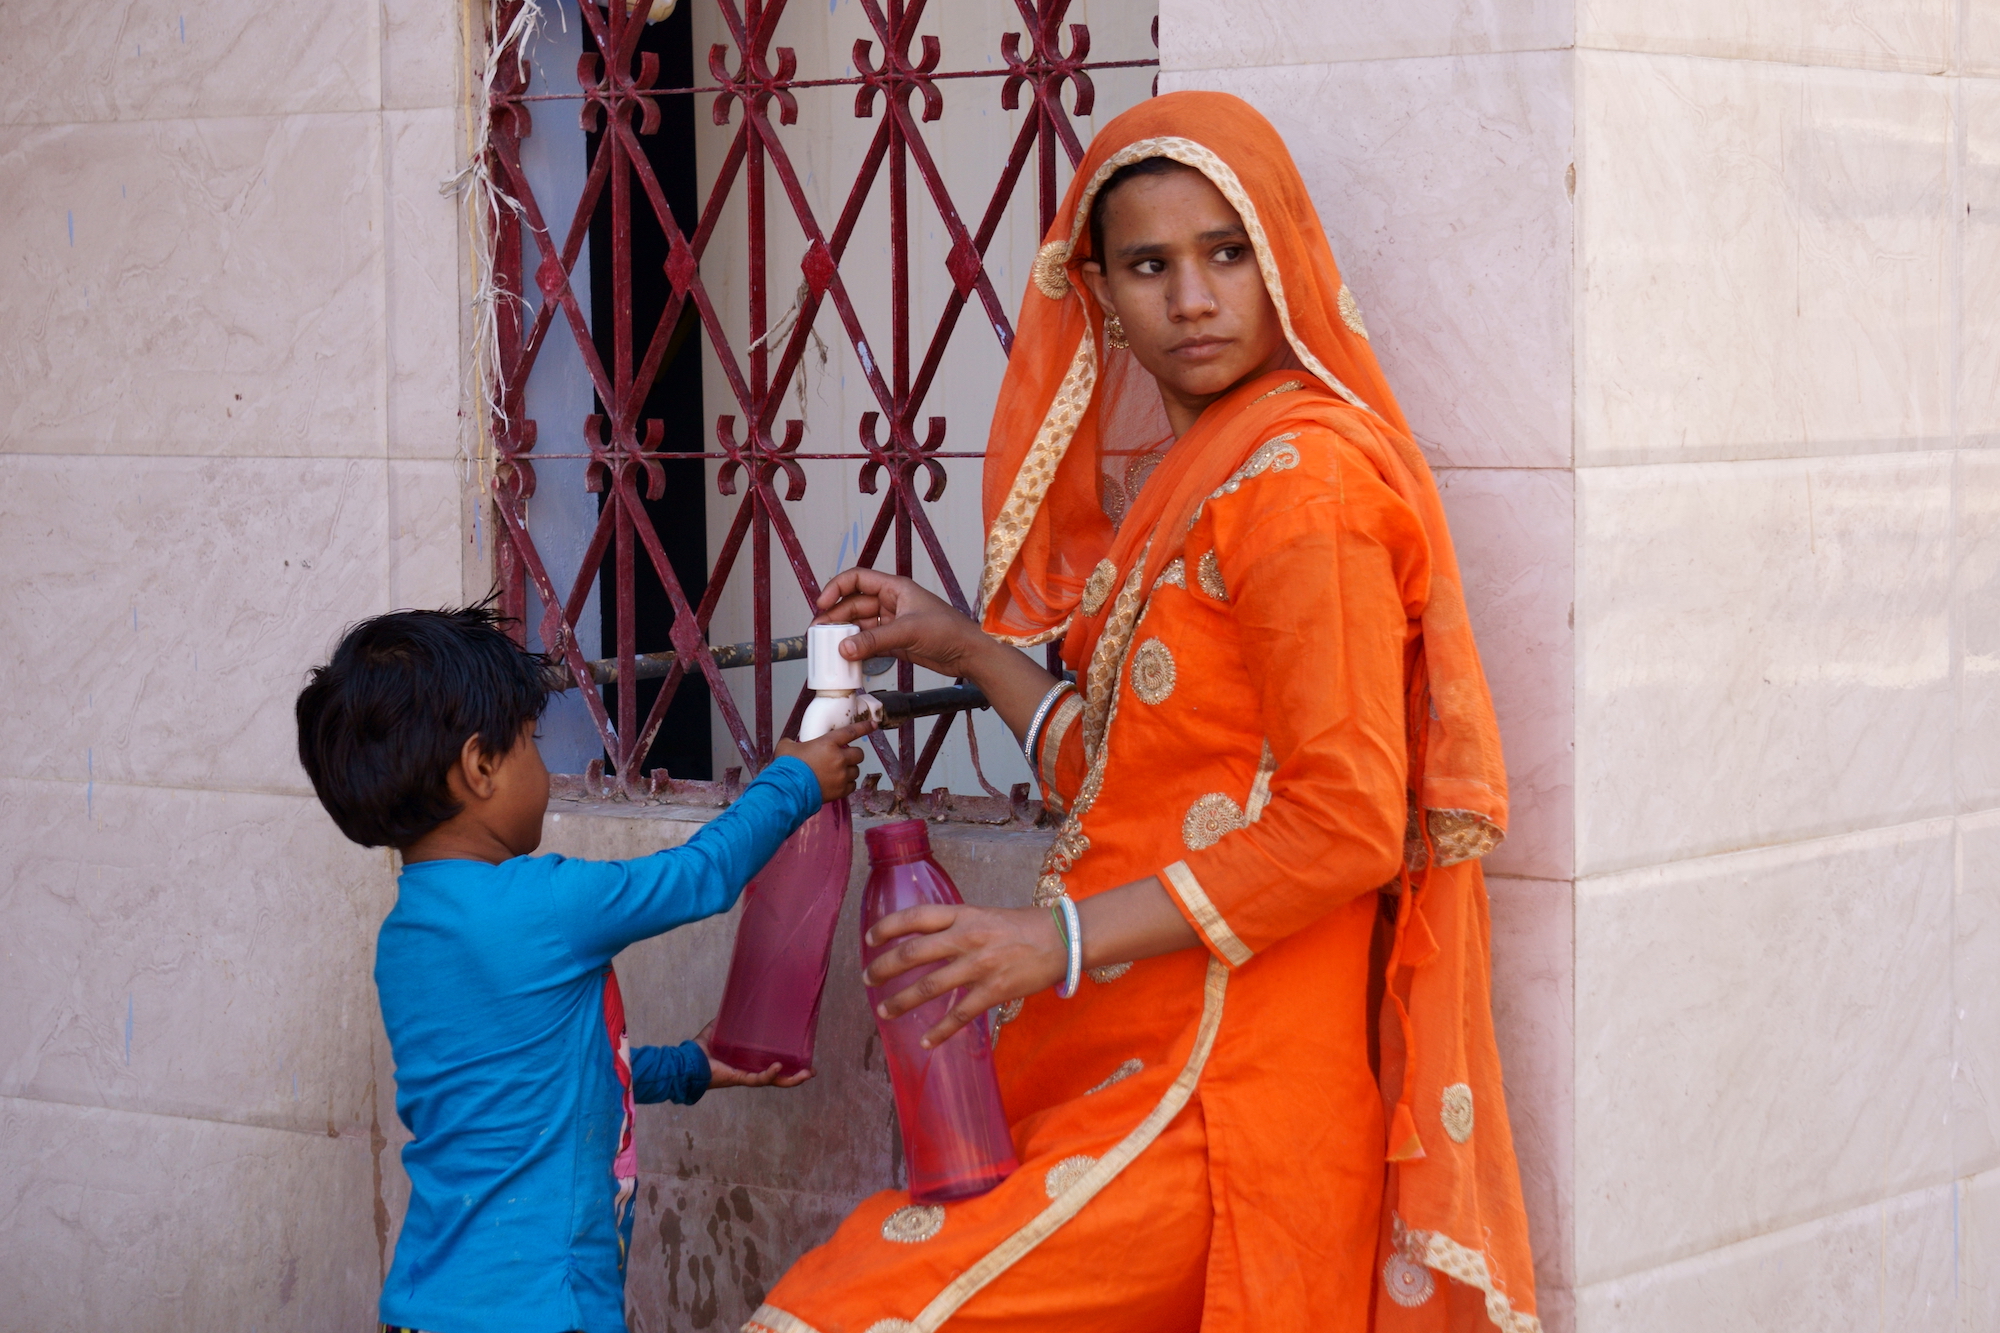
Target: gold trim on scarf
1086 1186
1038 472
1468 1268
1202 908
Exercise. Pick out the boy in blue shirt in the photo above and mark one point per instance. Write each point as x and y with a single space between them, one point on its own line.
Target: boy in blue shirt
513 1073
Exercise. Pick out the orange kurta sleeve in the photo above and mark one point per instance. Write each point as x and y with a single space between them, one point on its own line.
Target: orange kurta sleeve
1324 570
1059 761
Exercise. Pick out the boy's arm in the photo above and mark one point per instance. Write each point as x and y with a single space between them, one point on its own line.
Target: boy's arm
602 906
669 1073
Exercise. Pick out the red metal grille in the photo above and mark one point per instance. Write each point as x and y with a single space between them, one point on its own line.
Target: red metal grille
753 80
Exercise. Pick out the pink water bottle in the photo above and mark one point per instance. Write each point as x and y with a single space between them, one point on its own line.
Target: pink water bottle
784 943
955 1136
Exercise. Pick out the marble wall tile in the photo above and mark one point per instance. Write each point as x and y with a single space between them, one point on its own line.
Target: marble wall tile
1975 1015
1977 560
1515 533
1251 33
156 59
129 1221
1979 39
1763 653
423 53
429 553
834 1136
1914 35
1887 1265
429 406
1979 1254
194 287
1978 218
1442 185
1763 259
163 611
1762 1038
1534 1021
189 953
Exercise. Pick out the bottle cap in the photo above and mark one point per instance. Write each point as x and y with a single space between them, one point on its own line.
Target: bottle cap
904 840
826 669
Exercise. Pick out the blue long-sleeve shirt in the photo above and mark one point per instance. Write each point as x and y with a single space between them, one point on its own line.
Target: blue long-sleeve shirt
492 981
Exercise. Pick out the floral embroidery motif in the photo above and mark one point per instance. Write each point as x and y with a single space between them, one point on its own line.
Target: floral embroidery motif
1098 586
1118 1075
918 1222
1152 672
1064 1174
1109 973
1456 1112
1000 1015
1050 262
1408 1281
894 1326
1174 575
1208 574
1350 312
1289 386
1208 819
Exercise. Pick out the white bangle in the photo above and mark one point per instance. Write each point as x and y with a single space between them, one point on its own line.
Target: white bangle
1073 938
1034 735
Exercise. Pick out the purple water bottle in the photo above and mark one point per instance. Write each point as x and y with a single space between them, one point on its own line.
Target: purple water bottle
955 1137
784 943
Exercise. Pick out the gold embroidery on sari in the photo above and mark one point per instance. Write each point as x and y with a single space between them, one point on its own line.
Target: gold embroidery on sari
770 1319
1461 835
1118 1075
1050 262
1174 575
1456 1112
1066 1173
1350 312
1260 786
1289 386
1467 1267
1152 672
892 1326
1208 573
918 1222
1209 818
1109 973
1098 586
1207 918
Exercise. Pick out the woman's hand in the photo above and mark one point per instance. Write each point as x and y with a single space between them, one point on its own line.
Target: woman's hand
994 954
900 619
721 1075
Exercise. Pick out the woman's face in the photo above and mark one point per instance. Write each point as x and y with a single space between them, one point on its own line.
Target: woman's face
1179 274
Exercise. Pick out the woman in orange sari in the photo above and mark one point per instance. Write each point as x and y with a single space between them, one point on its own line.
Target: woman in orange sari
1276 1103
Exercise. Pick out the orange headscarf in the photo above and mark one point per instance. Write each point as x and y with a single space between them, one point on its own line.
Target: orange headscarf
1068 402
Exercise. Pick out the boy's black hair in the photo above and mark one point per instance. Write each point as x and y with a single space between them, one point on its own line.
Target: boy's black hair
1145 166
381 724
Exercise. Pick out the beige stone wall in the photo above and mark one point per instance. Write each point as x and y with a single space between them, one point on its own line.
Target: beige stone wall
229 424
1692 303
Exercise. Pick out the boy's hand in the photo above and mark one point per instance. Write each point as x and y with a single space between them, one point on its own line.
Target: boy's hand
833 760
721 1075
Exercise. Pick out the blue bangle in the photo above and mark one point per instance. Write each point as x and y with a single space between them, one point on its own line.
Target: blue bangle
1072 931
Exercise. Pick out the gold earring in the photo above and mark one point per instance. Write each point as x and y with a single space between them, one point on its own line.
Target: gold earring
1114 333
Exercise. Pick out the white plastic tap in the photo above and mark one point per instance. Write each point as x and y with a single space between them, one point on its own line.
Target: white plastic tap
836 684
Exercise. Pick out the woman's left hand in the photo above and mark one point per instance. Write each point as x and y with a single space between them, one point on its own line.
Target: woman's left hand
992 955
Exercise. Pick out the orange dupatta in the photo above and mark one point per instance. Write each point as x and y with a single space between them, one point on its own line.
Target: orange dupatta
1453 1204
